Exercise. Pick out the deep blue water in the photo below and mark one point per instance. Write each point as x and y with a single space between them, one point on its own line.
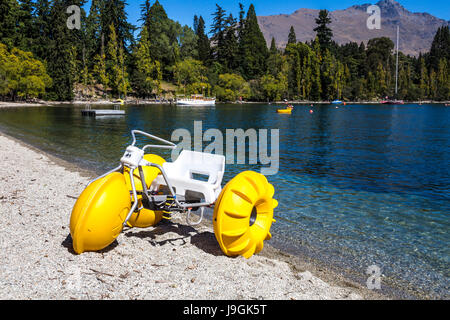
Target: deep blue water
358 185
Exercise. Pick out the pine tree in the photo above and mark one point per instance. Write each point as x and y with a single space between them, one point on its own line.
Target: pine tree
274 61
43 26
95 35
114 12
203 45
324 33
26 24
9 15
254 46
240 34
59 58
145 9
294 75
273 46
231 47
292 38
440 48
218 34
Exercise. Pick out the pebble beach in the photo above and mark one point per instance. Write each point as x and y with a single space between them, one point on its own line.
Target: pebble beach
169 261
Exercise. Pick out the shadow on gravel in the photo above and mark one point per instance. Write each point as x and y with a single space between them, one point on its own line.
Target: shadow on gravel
68 244
205 241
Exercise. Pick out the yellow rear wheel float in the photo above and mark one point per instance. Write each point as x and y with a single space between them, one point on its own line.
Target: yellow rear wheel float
243 213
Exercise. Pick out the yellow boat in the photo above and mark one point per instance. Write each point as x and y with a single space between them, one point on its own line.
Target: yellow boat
285 111
119 101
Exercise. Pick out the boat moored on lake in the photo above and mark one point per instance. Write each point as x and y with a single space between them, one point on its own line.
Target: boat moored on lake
196 100
287 110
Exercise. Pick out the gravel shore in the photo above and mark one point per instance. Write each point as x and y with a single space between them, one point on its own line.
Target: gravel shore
170 261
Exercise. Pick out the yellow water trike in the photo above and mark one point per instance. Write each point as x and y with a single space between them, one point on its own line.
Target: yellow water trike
145 188
287 110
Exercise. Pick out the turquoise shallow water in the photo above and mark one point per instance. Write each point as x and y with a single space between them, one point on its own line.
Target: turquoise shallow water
358 185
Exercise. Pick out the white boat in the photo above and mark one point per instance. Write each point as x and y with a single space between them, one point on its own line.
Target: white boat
196 100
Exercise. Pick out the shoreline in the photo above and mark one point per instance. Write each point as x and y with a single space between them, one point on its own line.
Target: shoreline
41 103
301 278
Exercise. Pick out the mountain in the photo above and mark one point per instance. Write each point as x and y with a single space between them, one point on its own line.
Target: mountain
416 29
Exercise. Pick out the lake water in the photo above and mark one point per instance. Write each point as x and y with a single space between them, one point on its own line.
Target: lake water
357 186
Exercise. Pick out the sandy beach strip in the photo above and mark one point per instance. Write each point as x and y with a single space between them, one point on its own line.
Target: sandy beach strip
169 261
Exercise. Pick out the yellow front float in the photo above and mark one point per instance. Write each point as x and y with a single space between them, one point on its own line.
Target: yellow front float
243 214
99 213
144 218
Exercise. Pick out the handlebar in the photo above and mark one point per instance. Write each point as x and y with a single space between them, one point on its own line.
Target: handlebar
169 144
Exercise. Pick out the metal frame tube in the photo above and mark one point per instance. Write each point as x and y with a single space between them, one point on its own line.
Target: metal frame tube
133 207
104 175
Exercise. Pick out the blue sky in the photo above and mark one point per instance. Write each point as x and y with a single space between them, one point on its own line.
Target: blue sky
184 11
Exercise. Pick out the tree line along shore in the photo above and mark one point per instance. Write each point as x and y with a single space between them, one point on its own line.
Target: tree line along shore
108 57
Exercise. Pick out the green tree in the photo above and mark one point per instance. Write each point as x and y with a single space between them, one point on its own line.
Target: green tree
9 15
118 77
273 88
443 81
191 75
423 79
43 27
230 87
292 38
187 42
230 50
240 36
21 75
149 70
381 87
25 20
316 61
203 44
379 50
273 47
95 36
59 56
440 48
324 33
113 12
99 68
163 38
218 34
254 47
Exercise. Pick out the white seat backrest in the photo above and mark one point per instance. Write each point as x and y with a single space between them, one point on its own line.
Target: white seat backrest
191 162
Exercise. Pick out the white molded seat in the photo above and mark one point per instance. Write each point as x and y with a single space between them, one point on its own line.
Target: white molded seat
185 172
